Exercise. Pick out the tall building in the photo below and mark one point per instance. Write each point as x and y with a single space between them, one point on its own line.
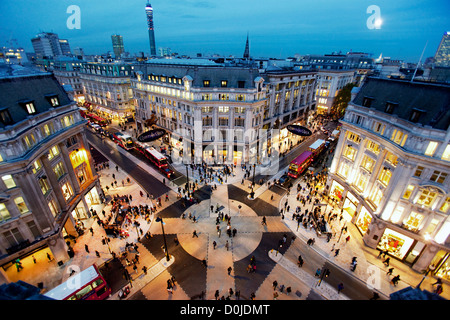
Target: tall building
106 86
442 56
117 43
47 178
151 30
329 83
218 113
48 44
391 170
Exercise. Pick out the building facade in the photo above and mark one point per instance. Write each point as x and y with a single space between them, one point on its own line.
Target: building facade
390 170
48 44
117 43
106 86
218 113
442 56
48 181
329 83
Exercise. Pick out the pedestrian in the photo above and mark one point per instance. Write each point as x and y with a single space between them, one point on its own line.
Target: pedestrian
395 280
144 268
86 248
97 253
216 295
275 295
229 270
263 222
386 262
214 245
288 290
49 257
336 252
91 230
227 245
375 296
317 273
340 287
347 239
390 271
237 294
230 292
34 259
275 284
300 261
194 234
252 296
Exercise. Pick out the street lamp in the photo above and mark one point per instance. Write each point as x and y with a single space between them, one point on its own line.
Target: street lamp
159 219
252 194
187 178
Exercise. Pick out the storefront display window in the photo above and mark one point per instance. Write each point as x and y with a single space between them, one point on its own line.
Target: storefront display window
395 243
336 191
364 220
350 206
442 263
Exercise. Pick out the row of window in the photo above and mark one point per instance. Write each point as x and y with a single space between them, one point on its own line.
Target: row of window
29 106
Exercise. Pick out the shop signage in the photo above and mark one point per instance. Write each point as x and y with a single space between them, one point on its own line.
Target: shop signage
151 135
299 130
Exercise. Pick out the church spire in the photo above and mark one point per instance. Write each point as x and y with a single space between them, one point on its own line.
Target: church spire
247 49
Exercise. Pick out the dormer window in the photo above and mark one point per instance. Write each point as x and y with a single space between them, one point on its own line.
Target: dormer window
415 115
390 106
224 83
5 117
367 102
52 99
206 83
28 105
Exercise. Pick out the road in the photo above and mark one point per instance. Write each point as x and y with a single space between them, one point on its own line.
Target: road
148 182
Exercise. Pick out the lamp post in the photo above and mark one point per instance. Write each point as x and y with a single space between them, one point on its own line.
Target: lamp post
187 178
253 182
159 219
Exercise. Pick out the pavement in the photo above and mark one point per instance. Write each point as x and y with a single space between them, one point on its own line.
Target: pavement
194 280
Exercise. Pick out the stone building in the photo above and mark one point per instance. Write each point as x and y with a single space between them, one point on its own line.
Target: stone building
390 172
48 182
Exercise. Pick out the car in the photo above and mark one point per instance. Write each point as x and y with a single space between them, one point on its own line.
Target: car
283 179
95 126
167 172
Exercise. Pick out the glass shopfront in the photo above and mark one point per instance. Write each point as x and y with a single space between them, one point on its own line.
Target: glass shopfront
364 219
336 191
442 263
395 243
349 207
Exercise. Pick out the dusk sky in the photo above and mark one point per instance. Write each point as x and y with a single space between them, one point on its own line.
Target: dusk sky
276 29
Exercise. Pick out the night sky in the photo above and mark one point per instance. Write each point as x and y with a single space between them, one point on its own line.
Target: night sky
276 29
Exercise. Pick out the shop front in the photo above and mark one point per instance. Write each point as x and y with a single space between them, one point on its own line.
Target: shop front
336 191
363 221
349 207
442 265
395 243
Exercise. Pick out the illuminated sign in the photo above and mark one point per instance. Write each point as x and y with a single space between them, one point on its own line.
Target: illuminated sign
151 135
299 130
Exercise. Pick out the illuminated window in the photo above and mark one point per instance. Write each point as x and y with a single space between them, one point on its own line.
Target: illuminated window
446 154
431 149
223 121
53 207
372 146
58 169
44 185
9 181
206 109
399 137
239 110
21 205
350 152
4 213
30 108
413 221
54 101
206 83
391 158
47 129
431 227
438 176
408 192
354 137
343 169
67 191
445 206
224 83
443 233
426 197
29 141
385 176
375 196
418 171
67 121
368 163
223 109
53 152
361 181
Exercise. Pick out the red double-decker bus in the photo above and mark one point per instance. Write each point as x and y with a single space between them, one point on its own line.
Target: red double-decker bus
88 284
300 164
158 159
96 119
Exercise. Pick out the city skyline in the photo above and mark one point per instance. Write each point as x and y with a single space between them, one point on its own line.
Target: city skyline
275 30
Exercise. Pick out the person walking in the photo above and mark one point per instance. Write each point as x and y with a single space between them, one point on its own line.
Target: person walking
336 252
227 245
395 280
214 245
300 261
340 287
386 262
194 234
275 284
86 248
390 271
229 270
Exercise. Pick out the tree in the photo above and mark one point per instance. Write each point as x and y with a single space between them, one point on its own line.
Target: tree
341 101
